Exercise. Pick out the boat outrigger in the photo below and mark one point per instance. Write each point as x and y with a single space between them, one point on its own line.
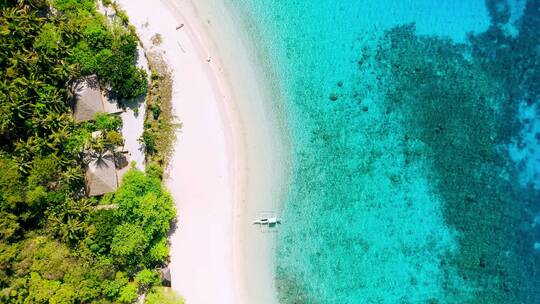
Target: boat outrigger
267 221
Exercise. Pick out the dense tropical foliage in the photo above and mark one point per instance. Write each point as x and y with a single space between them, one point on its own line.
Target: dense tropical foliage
56 245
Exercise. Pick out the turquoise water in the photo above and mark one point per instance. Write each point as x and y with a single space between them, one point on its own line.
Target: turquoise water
415 131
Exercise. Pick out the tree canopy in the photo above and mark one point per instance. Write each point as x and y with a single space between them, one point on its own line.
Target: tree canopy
56 246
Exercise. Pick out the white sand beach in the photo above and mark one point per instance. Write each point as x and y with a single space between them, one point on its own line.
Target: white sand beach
228 160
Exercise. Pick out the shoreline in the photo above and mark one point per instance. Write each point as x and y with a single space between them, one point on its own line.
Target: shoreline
215 175
263 125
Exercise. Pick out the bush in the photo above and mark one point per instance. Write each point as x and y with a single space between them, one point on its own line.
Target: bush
44 171
113 138
97 35
74 5
147 278
156 110
129 293
112 288
129 243
11 185
106 122
49 39
162 295
146 211
159 251
154 170
148 139
85 58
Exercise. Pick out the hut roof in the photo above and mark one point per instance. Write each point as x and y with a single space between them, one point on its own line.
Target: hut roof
166 276
101 176
89 99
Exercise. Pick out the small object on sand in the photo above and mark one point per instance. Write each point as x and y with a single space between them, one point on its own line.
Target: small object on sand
209 59
181 48
333 97
180 26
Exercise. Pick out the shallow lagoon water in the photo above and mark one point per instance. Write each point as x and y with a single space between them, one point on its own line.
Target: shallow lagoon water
414 134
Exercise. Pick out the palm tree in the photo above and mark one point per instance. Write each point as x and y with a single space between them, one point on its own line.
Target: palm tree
72 175
71 230
95 149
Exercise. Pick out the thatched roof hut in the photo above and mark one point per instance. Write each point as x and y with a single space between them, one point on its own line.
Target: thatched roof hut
101 176
89 99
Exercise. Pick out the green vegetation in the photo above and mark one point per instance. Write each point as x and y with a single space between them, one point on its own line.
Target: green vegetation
159 126
143 216
110 51
55 245
161 295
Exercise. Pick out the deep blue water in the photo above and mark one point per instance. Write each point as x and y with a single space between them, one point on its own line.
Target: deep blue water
415 136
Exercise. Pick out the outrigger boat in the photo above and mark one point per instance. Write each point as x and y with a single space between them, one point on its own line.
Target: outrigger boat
267 221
